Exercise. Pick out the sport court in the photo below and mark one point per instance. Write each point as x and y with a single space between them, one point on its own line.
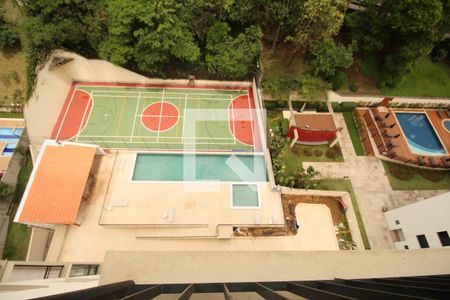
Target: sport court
126 116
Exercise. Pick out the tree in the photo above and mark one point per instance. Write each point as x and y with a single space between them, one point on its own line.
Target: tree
414 30
147 33
307 179
232 57
400 32
319 19
5 191
328 57
53 24
313 89
8 34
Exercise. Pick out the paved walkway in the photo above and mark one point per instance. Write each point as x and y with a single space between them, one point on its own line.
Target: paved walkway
371 187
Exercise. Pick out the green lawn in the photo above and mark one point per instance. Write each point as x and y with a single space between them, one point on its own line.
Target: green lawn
294 161
18 234
428 79
354 135
414 178
346 185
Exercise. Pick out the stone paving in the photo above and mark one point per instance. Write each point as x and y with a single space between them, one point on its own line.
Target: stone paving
371 187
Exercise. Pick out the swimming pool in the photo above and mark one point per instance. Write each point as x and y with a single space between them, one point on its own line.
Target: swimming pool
420 135
199 167
11 136
446 124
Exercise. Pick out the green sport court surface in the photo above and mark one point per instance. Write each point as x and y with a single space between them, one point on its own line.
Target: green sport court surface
160 117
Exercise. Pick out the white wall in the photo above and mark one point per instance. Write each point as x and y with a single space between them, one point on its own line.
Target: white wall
425 217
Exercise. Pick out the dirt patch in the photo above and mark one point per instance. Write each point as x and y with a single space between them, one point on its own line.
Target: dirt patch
12 77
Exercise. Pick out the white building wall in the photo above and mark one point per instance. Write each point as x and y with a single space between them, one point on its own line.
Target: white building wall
426 217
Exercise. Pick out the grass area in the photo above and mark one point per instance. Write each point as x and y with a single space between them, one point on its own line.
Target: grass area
294 160
403 177
428 79
11 115
354 135
18 234
346 185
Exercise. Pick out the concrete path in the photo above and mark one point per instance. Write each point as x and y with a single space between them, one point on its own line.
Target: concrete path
371 186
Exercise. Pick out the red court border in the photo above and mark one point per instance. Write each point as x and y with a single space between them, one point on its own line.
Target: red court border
75 84
64 130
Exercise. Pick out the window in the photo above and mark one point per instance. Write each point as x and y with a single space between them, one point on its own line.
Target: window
423 241
444 238
397 222
406 247
83 270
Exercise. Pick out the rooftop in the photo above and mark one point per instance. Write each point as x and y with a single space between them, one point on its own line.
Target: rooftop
57 184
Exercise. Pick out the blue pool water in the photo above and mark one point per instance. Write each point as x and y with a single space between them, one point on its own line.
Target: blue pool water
447 125
11 136
421 137
208 167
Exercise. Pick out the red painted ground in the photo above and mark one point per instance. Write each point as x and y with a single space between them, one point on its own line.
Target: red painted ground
71 116
160 116
242 119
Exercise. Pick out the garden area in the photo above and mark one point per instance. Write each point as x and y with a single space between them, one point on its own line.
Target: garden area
288 162
403 177
345 185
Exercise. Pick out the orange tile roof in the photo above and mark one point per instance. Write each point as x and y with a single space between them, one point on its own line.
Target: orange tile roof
54 192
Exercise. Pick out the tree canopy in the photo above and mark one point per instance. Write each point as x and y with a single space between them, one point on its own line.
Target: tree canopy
228 56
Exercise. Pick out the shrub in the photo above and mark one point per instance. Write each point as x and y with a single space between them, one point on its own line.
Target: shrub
307 152
402 172
331 153
339 79
432 175
284 126
353 87
344 106
337 148
275 105
296 150
318 153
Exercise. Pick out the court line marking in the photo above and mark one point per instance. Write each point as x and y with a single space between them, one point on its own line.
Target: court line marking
134 119
178 97
234 120
160 115
184 117
84 115
167 92
65 114
146 136
251 120
238 88
155 142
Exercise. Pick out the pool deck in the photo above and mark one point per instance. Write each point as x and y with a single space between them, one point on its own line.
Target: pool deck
169 204
402 152
200 222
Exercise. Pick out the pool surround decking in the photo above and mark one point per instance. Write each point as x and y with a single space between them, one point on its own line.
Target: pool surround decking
392 143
